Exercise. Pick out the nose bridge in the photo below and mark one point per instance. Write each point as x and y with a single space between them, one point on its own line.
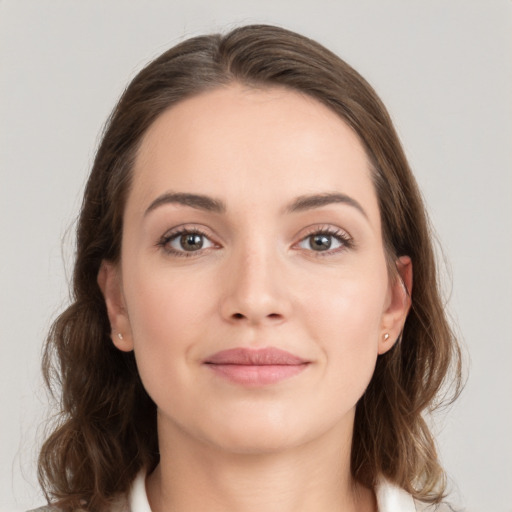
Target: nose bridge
254 292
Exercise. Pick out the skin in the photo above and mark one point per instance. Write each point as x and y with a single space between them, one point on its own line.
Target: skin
258 281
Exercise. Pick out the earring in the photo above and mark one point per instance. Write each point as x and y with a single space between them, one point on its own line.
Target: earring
386 336
120 336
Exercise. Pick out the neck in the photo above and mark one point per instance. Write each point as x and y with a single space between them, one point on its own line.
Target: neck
307 478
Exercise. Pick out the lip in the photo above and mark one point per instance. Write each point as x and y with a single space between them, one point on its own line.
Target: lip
256 367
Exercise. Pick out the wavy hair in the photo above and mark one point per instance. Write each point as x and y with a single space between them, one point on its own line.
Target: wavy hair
106 430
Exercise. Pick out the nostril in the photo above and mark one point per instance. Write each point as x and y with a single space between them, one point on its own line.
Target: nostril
238 316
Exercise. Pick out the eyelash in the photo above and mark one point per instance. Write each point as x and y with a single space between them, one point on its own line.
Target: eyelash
164 241
341 236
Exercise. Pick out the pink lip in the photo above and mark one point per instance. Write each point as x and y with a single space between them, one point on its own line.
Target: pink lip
256 367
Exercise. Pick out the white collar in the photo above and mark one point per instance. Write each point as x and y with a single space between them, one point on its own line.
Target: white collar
138 498
390 498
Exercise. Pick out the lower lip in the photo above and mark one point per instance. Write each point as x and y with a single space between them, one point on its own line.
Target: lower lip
257 375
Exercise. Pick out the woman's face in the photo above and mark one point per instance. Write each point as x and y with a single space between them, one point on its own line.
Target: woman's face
253 284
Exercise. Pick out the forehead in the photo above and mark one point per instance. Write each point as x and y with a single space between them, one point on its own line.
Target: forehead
239 141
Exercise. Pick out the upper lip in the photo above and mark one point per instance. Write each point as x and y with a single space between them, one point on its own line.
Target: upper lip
254 357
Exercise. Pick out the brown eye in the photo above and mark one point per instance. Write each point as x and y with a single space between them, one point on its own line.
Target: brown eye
326 241
186 242
191 241
320 242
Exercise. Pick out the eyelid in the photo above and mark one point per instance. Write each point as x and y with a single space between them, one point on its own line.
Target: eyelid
335 231
340 234
182 229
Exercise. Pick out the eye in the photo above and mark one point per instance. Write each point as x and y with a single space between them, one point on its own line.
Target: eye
326 241
185 241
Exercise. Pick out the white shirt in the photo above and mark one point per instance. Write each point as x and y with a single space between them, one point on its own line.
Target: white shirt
390 498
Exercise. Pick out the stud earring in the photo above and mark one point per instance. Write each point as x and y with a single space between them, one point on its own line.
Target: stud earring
386 337
120 336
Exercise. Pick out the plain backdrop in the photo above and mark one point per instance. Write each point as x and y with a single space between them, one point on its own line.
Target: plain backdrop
443 68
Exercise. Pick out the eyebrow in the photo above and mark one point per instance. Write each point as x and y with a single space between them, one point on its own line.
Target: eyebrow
210 204
198 201
308 202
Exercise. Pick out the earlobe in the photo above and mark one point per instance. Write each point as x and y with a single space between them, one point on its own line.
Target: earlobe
109 282
398 305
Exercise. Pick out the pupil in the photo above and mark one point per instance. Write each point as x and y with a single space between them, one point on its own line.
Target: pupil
191 242
321 242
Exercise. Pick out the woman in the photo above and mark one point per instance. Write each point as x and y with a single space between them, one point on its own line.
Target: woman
245 332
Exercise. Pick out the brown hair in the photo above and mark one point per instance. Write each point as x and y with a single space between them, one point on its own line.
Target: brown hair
107 427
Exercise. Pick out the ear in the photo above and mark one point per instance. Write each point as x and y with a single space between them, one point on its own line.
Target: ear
398 304
109 281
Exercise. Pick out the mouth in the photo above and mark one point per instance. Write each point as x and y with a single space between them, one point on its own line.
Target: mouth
255 367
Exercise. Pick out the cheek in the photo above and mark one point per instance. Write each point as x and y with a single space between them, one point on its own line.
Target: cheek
345 322
348 306
167 314
163 304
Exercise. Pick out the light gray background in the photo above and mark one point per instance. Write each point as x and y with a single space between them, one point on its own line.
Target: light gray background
444 69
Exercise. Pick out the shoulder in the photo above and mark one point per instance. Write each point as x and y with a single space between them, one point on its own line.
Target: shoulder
440 507
391 498
134 501
47 508
119 505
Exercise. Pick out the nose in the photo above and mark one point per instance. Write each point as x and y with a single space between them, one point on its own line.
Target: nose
255 292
